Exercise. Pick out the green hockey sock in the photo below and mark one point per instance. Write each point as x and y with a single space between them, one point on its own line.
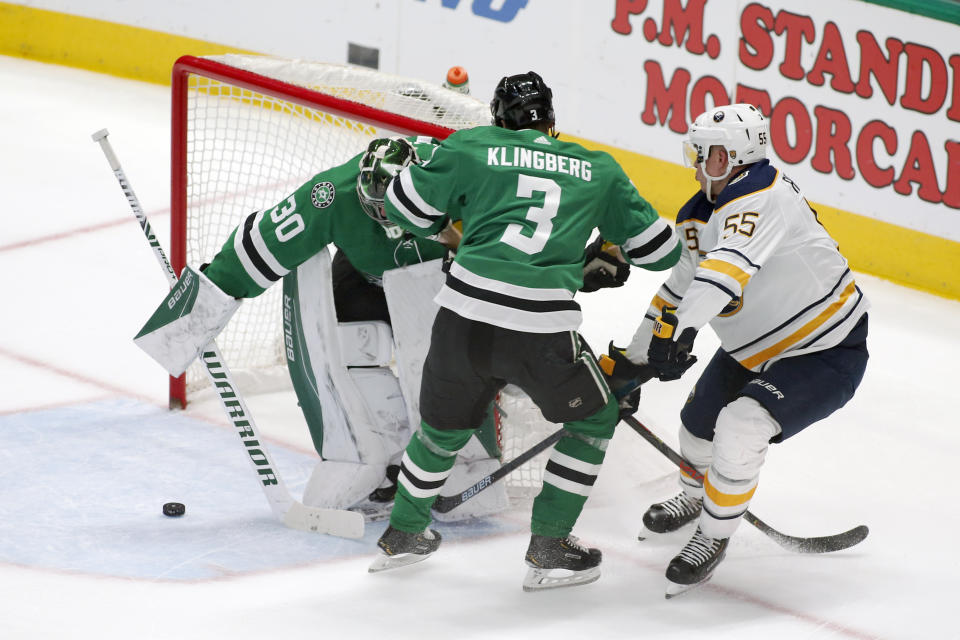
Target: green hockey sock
426 464
571 471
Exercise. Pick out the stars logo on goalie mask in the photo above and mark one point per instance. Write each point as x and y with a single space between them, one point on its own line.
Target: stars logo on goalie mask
322 194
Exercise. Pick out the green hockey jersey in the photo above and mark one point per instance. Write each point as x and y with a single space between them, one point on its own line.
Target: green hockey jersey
529 204
270 243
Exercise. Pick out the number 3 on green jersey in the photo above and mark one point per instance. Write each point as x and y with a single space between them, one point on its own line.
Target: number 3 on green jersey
541 216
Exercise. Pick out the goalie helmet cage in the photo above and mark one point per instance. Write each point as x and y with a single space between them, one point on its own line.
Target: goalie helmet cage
248 130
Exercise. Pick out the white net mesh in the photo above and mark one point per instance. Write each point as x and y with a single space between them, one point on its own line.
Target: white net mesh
522 426
248 147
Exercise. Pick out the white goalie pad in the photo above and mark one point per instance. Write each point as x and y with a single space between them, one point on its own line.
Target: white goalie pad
338 485
365 344
410 292
189 318
364 416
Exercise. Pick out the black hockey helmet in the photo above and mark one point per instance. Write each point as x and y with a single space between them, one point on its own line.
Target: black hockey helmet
383 159
522 100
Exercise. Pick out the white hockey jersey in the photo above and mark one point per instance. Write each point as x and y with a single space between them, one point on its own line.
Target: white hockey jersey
762 270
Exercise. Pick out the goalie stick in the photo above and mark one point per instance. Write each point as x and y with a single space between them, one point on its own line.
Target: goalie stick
294 514
821 544
443 504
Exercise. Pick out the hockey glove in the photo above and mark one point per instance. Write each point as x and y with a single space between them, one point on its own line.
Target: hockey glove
601 267
625 378
670 357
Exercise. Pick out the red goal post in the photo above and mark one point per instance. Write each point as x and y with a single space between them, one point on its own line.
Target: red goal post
246 131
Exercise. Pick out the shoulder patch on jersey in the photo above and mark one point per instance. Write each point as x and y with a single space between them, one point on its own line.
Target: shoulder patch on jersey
323 194
757 177
696 208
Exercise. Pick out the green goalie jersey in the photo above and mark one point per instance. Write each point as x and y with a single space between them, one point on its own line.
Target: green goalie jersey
270 243
529 204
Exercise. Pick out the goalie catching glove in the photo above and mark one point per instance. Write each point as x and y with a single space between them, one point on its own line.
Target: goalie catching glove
670 356
189 318
601 266
625 378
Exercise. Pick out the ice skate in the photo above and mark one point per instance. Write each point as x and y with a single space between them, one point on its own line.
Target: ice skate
400 548
695 563
559 562
670 515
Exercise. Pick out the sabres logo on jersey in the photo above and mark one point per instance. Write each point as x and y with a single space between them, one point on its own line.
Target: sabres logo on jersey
323 194
732 307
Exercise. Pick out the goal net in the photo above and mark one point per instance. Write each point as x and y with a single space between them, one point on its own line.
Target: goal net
247 131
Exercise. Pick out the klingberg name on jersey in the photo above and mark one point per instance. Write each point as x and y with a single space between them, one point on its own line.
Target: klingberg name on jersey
536 159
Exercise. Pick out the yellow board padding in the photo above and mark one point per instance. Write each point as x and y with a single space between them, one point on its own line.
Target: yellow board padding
896 253
97 45
907 257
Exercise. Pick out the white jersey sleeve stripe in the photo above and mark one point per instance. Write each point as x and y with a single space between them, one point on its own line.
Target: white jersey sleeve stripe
246 260
403 195
655 242
263 251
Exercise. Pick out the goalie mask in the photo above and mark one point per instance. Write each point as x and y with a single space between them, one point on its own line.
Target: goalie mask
739 128
522 100
383 159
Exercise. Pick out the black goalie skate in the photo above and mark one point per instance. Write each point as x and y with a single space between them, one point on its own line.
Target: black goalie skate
400 548
695 564
559 562
670 515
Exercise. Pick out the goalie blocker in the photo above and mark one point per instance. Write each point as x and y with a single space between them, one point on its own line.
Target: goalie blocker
189 318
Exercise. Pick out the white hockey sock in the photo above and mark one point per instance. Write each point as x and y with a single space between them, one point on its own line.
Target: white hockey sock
698 452
740 442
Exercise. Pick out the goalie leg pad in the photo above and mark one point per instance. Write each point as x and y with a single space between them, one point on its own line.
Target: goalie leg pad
365 344
189 318
340 485
356 413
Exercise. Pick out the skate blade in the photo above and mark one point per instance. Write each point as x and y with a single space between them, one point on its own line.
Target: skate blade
675 589
541 579
383 562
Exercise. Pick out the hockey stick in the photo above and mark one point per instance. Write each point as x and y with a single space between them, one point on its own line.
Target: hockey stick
822 544
294 514
443 504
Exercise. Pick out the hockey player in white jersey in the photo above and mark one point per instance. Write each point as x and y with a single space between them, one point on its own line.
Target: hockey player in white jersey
762 271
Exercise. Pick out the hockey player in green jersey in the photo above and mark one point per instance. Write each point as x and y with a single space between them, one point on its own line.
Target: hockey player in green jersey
337 322
528 203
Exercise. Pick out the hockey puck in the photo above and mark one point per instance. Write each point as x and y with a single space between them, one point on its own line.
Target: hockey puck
174 509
